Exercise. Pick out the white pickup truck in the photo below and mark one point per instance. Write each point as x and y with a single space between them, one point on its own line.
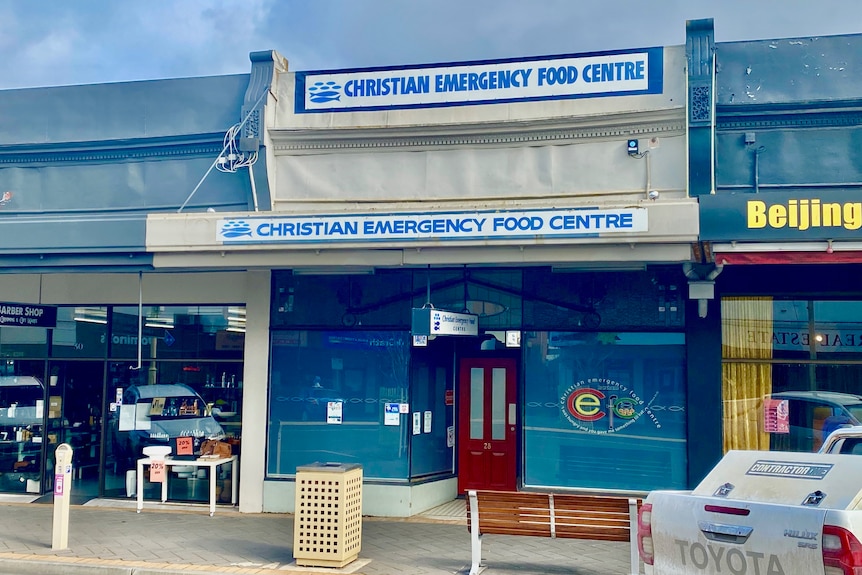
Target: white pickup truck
762 513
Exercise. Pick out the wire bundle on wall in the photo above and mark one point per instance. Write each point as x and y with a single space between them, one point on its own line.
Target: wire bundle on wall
231 159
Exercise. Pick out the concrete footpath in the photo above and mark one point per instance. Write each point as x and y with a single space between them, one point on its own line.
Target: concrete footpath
108 540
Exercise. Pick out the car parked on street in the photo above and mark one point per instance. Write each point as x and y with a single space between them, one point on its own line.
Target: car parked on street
813 415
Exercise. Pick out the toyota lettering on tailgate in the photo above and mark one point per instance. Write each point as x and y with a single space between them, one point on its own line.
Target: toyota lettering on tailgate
723 560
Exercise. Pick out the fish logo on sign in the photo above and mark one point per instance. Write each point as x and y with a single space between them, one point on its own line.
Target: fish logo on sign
322 92
169 339
236 229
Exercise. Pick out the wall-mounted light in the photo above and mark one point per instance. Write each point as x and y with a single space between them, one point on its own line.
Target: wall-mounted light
157 320
633 150
91 315
599 267
84 319
333 271
156 324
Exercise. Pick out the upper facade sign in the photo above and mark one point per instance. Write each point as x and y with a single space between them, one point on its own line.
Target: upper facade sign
595 74
781 216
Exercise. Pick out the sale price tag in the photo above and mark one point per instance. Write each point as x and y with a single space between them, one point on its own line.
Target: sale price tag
157 471
185 446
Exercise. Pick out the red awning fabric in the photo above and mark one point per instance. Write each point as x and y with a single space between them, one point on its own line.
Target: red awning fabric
759 258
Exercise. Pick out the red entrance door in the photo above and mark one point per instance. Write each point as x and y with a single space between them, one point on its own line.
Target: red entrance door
487 422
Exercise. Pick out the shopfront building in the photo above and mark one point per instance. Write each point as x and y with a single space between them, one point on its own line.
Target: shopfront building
491 274
92 337
783 227
534 212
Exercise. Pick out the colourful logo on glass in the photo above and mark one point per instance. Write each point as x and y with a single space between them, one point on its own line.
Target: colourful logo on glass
600 405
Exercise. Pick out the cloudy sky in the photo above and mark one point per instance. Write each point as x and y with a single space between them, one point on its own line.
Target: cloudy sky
57 42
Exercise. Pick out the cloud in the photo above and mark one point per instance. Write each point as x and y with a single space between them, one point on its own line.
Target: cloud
55 42
98 40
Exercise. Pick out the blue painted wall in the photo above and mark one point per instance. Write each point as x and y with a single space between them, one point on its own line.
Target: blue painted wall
799 98
121 111
83 165
802 70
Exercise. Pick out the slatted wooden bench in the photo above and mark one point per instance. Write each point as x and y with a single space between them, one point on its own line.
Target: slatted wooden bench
571 516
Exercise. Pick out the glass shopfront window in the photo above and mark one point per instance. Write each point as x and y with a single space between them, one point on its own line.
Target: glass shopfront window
81 332
604 410
22 435
328 398
173 332
23 342
791 371
68 383
191 368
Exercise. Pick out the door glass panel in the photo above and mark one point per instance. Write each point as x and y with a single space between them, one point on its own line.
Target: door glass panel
75 418
477 402
498 403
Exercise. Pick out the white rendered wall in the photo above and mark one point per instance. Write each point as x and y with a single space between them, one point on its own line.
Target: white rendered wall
566 153
254 393
377 500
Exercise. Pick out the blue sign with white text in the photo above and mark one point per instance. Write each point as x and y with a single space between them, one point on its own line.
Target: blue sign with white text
596 74
434 226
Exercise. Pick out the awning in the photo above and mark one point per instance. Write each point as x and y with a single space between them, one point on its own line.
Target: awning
759 258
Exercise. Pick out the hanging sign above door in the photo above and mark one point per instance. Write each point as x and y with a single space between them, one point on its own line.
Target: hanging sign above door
430 321
27 315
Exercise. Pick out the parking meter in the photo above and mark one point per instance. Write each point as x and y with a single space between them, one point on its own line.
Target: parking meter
62 495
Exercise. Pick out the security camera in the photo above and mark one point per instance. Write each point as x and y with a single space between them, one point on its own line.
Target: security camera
653 194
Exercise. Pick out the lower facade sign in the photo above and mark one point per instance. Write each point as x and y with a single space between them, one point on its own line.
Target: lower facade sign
27 315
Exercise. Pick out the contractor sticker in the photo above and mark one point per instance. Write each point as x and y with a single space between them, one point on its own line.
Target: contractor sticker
796 470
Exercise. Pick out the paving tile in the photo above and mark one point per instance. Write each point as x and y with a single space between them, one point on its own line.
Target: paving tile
183 541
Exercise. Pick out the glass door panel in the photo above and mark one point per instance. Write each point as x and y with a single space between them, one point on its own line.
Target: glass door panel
74 412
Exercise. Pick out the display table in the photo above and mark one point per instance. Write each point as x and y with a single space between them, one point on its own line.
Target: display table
212 463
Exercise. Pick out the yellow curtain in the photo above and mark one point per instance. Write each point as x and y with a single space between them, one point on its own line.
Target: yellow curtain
746 334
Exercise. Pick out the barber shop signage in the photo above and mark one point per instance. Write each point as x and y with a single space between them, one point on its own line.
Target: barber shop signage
590 75
498 224
27 315
600 406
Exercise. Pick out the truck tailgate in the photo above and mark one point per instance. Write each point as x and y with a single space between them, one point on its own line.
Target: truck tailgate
712 535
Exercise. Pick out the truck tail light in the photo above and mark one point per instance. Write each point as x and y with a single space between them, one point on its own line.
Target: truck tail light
645 548
842 552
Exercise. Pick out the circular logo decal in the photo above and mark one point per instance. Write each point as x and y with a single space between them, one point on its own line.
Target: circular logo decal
601 405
